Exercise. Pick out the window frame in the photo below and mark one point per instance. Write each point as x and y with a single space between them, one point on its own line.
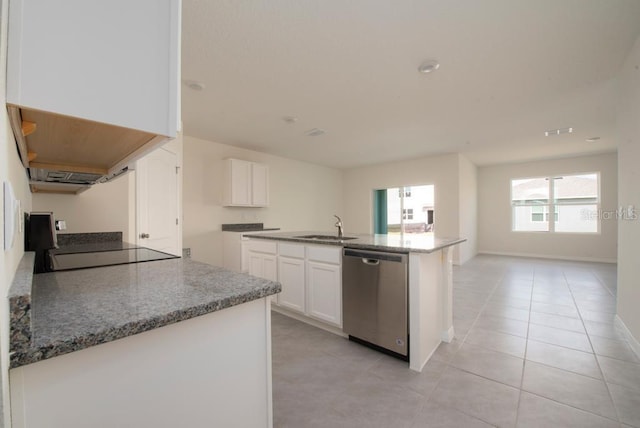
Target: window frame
553 204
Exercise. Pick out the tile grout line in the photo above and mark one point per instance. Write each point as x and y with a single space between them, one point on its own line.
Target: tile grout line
447 363
526 346
604 379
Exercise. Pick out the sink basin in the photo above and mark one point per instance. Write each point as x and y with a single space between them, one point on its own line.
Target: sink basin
325 237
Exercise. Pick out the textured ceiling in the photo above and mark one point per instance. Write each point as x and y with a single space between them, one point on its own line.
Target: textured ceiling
509 71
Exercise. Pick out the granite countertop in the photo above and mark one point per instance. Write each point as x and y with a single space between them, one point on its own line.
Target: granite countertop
407 243
61 312
246 227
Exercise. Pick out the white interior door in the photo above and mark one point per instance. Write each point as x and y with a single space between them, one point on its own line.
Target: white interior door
157 199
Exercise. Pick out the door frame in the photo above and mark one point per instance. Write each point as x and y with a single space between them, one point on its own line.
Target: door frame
174 146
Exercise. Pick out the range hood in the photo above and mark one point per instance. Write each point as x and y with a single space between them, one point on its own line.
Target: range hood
68 155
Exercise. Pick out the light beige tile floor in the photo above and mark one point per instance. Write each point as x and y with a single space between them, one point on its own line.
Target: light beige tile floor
536 345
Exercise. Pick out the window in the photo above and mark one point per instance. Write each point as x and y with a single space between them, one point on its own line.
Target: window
404 192
541 213
574 201
400 210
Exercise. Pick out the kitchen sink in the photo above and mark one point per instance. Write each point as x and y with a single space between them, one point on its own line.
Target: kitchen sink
326 237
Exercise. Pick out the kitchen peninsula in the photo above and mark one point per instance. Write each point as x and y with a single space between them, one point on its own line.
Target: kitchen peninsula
430 304
162 343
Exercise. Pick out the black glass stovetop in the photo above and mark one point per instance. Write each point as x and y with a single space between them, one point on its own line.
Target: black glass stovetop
70 261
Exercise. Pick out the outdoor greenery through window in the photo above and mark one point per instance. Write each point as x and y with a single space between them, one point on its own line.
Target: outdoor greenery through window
574 201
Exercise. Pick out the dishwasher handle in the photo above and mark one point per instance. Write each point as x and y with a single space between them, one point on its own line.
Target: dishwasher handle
374 255
370 262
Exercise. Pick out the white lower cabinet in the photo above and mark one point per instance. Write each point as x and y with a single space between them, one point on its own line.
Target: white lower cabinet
311 279
262 261
291 276
324 286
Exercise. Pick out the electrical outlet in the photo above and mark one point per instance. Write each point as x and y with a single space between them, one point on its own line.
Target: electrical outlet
186 253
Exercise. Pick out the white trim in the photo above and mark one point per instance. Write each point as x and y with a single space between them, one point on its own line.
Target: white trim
448 335
549 257
307 320
633 342
267 312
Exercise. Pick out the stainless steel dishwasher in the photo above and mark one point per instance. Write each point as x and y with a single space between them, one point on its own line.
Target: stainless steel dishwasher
375 300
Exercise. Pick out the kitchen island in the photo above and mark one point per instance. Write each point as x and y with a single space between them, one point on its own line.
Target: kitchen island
430 285
162 343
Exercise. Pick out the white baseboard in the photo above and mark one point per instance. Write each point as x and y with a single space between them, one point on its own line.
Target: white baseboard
310 321
550 257
448 335
633 342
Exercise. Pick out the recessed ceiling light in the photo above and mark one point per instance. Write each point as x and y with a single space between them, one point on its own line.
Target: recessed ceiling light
559 131
592 139
290 119
315 132
194 84
429 66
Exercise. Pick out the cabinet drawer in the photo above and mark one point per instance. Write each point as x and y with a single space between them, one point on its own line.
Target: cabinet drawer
291 250
268 247
325 253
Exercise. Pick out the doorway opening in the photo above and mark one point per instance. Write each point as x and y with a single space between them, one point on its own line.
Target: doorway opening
403 210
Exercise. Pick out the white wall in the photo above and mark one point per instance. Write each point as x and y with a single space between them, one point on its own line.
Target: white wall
628 131
12 170
468 206
103 208
441 171
303 196
494 211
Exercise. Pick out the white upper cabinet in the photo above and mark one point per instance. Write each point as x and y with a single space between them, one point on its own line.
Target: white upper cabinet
259 185
246 184
113 62
92 86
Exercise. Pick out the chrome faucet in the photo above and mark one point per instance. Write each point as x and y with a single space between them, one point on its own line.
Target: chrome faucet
339 226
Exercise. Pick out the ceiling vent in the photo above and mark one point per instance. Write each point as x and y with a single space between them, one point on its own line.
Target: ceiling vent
315 132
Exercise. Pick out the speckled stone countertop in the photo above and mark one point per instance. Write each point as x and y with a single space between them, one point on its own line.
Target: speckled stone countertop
407 243
246 227
73 310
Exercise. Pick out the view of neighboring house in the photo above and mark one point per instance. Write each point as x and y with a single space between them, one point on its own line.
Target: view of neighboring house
573 199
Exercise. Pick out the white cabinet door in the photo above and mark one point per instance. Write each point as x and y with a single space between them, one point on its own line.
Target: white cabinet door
246 184
256 264
324 289
270 269
114 62
264 266
259 185
238 186
291 276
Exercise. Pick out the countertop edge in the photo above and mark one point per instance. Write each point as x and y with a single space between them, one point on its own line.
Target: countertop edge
24 352
54 349
20 303
364 246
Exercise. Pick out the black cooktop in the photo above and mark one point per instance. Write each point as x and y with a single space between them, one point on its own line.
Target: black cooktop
82 260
